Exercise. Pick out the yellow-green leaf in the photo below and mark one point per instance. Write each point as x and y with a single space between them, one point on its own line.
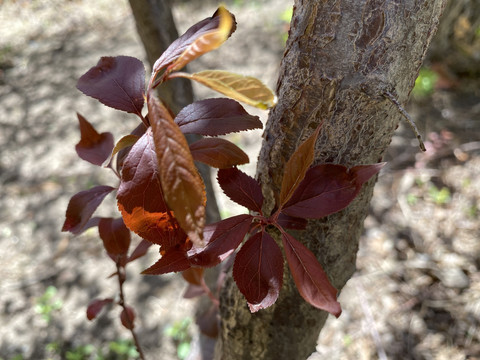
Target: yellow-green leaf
124 142
246 89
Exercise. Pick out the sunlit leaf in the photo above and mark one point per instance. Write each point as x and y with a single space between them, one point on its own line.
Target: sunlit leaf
93 147
218 153
326 189
96 306
246 89
215 117
202 37
297 166
115 236
125 142
182 185
310 278
193 276
258 271
171 261
118 82
221 240
241 188
82 206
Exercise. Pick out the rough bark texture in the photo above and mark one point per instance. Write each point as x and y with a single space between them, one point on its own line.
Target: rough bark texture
157 30
342 56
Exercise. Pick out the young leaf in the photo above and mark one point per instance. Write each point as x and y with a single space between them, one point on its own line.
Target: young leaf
183 187
215 117
297 166
140 250
218 153
193 276
93 147
241 188
82 206
172 261
199 39
125 142
122 154
118 82
115 236
246 89
258 271
95 307
221 240
326 189
127 317
310 278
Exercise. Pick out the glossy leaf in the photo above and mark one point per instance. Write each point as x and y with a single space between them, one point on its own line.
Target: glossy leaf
140 250
193 276
297 166
326 189
118 82
183 187
309 277
258 271
93 147
213 117
115 236
127 317
96 306
221 240
172 261
246 89
82 206
202 37
218 153
241 188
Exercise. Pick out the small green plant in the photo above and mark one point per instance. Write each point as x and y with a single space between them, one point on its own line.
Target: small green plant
123 349
439 197
412 199
425 83
46 304
178 332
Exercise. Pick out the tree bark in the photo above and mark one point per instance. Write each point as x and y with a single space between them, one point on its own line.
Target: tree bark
342 59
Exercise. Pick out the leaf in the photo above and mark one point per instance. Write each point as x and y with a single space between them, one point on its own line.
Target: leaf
127 317
115 236
215 117
290 222
363 173
241 188
93 147
95 307
326 189
122 154
193 276
118 82
246 89
221 240
218 153
125 142
209 322
258 271
82 206
309 277
199 39
193 291
182 185
172 261
297 166
140 250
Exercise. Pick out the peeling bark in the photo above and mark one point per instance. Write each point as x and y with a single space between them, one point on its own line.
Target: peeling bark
341 58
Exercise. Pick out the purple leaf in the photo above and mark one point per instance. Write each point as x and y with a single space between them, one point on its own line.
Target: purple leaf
218 153
93 147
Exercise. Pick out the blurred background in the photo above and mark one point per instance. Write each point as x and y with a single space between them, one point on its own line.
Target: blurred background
416 294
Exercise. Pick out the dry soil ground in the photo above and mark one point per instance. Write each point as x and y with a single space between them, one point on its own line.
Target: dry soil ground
416 294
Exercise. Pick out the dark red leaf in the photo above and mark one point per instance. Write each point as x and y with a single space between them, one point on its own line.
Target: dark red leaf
290 222
127 317
193 276
221 240
182 184
209 322
118 82
115 236
140 250
215 117
183 43
310 278
218 153
241 188
95 307
363 173
258 271
82 206
93 147
172 261
326 189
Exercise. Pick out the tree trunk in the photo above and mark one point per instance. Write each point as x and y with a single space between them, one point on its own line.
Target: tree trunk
342 59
